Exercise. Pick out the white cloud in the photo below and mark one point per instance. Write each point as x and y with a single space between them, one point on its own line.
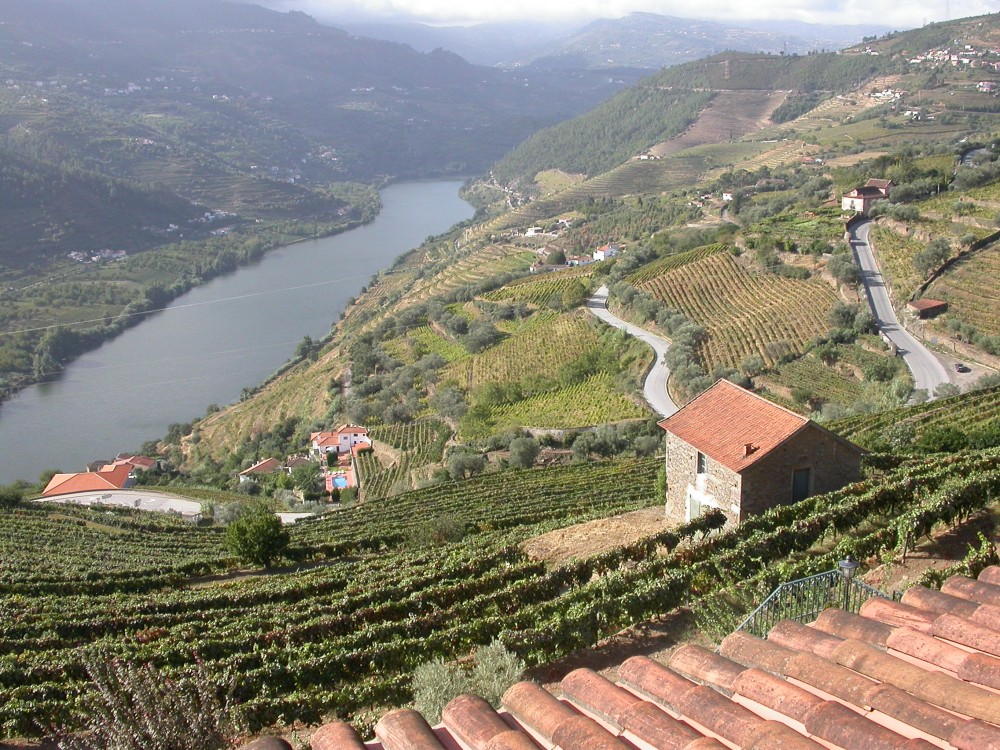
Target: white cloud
897 15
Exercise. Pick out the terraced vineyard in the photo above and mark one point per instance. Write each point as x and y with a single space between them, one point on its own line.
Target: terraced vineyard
895 258
540 291
345 636
336 637
542 345
969 412
970 288
416 445
469 269
662 266
424 340
745 313
594 401
821 382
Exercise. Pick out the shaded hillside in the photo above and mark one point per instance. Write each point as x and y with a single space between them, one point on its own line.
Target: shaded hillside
376 108
627 124
47 209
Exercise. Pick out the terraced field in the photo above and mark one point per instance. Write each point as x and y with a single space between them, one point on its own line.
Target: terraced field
969 411
594 401
822 383
745 313
539 291
474 267
971 290
730 116
416 445
540 347
895 254
663 266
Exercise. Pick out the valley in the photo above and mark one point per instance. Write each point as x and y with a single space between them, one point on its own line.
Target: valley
500 464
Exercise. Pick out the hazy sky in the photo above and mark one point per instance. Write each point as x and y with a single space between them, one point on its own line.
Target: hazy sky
898 15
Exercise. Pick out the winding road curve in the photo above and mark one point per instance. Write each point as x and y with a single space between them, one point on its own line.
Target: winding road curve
928 372
655 387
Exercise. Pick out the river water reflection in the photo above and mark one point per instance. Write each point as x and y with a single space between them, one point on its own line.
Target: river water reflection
212 342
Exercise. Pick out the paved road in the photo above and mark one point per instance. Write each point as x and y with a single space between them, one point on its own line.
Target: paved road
928 372
142 499
655 387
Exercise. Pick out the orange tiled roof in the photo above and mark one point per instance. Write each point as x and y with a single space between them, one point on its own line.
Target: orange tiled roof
109 478
725 419
267 466
916 675
926 303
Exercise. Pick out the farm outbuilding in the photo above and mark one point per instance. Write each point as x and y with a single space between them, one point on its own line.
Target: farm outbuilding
927 308
733 450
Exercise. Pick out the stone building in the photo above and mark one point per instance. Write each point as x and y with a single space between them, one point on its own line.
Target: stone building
733 450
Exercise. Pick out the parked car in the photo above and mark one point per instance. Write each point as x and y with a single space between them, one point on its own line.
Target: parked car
962 367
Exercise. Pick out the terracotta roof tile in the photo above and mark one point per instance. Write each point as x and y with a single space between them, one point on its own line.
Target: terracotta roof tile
895 613
935 688
473 721
916 678
933 600
974 590
530 704
968 633
337 735
598 696
706 667
796 636
724 420
990 574
114 478
777 694
405 729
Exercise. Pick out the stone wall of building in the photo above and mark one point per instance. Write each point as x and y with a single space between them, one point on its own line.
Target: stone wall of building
833 463
718 487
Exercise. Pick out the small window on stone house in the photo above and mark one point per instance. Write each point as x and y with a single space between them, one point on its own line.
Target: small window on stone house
702 463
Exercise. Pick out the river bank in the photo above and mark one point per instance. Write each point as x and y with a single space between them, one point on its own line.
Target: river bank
190 264
215 340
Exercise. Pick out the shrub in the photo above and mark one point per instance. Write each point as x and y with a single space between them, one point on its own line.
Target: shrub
258 537
434 685
523 452
136 707
496 670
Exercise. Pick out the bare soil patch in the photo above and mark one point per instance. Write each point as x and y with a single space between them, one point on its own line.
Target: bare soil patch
594 537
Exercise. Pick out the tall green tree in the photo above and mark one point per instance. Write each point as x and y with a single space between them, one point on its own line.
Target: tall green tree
258 538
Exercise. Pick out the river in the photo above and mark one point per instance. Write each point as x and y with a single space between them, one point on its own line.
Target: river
213 341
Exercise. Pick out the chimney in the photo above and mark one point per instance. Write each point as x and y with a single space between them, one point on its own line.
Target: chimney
748 448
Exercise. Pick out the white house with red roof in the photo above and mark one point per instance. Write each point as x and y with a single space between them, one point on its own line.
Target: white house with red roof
342 440
733 450
606 252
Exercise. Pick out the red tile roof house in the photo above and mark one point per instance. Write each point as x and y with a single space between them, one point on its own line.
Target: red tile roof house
267 466
341 440
110 478
920 674
736 451
860 199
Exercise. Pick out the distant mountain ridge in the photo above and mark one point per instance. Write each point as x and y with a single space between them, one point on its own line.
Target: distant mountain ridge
384 108
638 40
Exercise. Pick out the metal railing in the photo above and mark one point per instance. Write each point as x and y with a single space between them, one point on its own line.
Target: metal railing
802 600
